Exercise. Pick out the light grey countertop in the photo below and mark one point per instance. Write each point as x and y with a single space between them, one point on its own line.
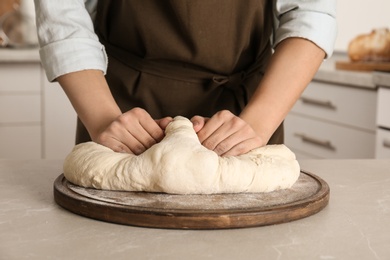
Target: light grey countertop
355 224
382 79
328 73
8 55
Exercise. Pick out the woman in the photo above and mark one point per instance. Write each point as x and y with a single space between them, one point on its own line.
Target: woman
235 68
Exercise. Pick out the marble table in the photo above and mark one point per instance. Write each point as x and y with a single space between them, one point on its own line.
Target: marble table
355 224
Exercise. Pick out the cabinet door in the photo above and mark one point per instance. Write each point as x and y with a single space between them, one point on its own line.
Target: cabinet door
20 142
383 118
355 107
20 93
60 121
20 111
382 144
325 140
20 78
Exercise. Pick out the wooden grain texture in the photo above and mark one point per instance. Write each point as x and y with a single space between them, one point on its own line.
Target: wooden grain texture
220 211
363 66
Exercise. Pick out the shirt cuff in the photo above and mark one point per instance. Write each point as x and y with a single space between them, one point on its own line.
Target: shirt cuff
321 29
71 55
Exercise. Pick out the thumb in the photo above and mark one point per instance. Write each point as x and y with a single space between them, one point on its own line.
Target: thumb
198 122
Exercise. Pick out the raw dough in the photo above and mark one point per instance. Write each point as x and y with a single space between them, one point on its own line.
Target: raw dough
179 164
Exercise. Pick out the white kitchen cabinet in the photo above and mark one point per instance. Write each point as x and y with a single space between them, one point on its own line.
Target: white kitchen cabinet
21 141
322 139
382 144
383 123
354 107
20 111
36 119
20 78
59 121
20 108
333 121
383 119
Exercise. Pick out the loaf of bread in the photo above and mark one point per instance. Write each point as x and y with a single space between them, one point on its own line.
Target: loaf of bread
374 46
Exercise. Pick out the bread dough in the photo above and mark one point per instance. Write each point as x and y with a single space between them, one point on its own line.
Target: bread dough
179 164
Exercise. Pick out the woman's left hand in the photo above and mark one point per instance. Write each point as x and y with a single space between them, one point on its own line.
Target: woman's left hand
226 134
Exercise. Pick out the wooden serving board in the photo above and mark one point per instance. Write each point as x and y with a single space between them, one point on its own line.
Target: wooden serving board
309 195
363 66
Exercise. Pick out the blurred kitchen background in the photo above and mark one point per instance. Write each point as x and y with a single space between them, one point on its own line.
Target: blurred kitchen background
342 114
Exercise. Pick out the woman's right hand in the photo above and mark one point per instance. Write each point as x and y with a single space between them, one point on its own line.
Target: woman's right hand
133 132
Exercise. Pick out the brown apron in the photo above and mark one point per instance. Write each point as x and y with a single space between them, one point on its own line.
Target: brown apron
184 57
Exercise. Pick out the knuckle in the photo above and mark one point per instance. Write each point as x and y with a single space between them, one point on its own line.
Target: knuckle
157 133
102 138
137 111
121 120
224 114
138 149
149 142
258 142
237 150
222 148
209 143
241 149
120 149
202 136
219 150
238 123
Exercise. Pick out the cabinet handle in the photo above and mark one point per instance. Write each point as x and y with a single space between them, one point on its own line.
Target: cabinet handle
317 102
386 143
323 143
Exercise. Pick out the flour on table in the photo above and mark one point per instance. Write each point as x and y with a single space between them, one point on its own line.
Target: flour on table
180 164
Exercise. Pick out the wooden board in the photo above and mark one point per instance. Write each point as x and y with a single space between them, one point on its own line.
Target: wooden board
363 66
309 195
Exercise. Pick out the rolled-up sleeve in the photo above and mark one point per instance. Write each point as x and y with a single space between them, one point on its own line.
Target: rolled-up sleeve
314 20
67 39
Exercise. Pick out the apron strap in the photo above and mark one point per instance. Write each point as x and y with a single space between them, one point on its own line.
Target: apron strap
234 82
188 72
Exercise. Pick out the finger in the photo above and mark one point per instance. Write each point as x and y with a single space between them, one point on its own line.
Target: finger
228 134
215 122
140 125
109 140
133 134
242 141
198 122
164 122
144 124
219 140
138 139
208 129
243 147
118 146
119 139
151 131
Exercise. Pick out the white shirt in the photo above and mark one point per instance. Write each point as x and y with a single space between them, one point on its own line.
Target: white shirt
68 42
